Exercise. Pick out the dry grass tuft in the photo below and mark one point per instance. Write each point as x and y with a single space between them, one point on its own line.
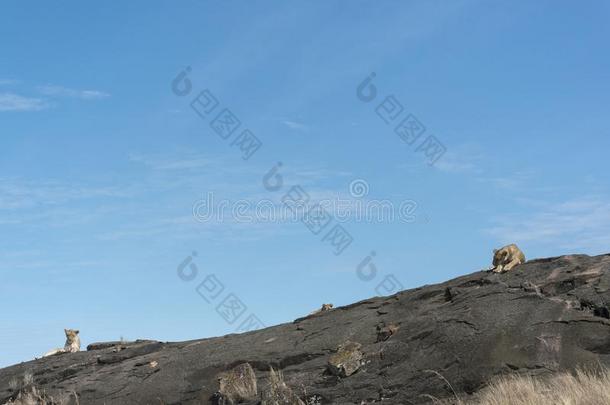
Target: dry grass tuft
578 388
26 393
278 392
238 384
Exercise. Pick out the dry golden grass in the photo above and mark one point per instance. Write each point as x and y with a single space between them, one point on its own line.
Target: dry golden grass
26 393
238 384
579 388
278 392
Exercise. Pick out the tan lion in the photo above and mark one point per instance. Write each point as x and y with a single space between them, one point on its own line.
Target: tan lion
506 258
72 343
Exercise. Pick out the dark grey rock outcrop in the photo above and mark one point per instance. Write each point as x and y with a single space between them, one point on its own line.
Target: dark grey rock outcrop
544 316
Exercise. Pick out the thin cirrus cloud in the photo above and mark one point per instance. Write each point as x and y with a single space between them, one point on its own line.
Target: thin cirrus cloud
12 102
582 223
15 102
16 193
60 91
192 161
298 126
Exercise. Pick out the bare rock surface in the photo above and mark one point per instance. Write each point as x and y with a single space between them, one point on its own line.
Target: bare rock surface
543 316
347 360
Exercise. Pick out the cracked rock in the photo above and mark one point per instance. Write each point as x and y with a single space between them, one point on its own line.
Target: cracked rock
347 360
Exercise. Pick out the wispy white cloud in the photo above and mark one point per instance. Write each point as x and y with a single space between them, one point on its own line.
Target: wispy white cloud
173 163
299 172
52 203
316 175
17 193
15 102
298 126
577 224
519 181
49 265
60 91
186 227
454 164
463 158
466 158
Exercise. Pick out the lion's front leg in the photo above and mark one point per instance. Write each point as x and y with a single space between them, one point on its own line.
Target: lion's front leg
512 264
498 269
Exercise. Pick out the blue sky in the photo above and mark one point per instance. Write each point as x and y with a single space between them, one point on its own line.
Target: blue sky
102 164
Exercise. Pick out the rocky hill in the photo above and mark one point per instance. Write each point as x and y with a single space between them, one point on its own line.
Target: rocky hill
544 316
